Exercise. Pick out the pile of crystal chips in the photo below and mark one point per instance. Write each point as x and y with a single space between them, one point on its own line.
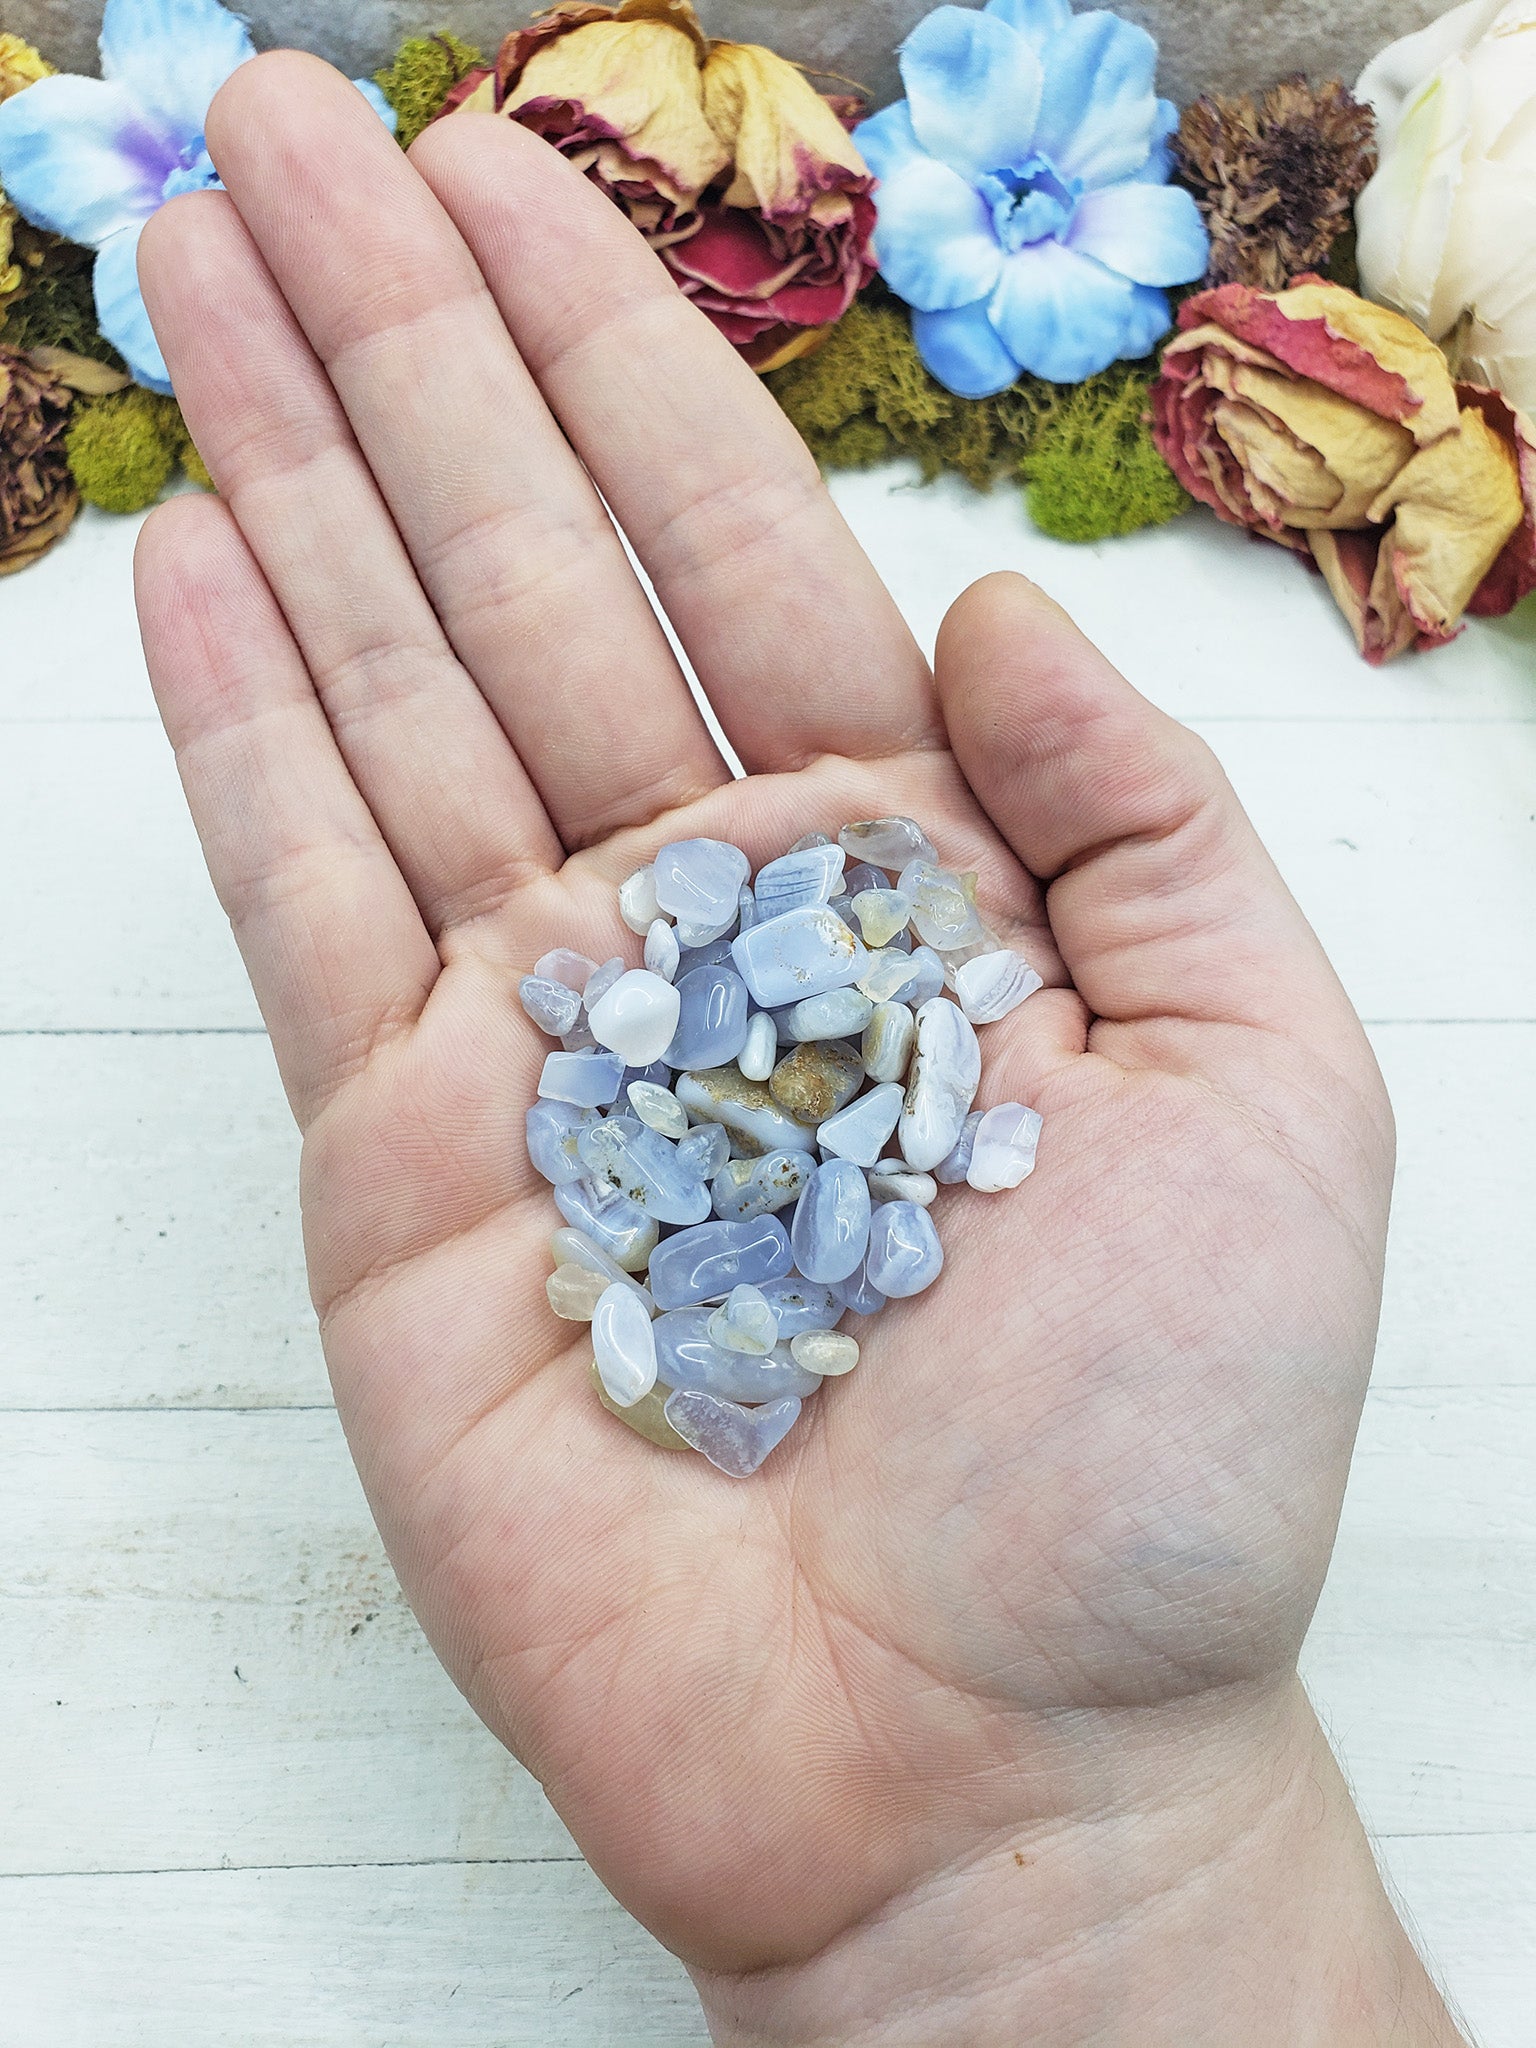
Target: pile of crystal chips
747 1135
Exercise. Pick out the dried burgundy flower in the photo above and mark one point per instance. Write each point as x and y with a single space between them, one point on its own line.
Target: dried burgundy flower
38 499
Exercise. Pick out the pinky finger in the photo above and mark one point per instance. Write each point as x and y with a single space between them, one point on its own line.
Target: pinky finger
331 937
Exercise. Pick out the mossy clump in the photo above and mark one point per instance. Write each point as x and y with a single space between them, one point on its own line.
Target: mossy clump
1083 451
55 305
425 71
1093 472
123 449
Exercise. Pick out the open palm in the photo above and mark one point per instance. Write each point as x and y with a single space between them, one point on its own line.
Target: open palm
427 721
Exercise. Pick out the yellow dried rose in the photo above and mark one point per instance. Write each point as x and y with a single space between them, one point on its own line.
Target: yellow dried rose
1333 426
20 66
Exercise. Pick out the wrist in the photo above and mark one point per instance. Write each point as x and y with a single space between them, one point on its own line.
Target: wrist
1213 1886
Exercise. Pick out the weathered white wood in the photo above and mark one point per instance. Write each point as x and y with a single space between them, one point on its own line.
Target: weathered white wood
68 629
456 1956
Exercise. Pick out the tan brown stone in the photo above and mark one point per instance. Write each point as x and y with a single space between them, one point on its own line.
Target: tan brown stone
647 1418
814 1081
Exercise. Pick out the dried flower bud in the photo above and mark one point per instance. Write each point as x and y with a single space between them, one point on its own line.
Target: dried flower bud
38 499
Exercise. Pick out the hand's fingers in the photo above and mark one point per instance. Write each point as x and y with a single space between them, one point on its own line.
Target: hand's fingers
1162 900
335 947
798 644
450 797
509 538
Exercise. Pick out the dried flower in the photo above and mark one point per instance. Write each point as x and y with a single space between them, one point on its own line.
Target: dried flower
20 66
37 495
1276 176
739 174
1332 426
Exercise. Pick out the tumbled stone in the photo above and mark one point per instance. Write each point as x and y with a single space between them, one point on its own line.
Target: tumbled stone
712 1018
579 1038
589 1079
760 1047
827 1353
711 1258
623 1346
840 1013
801 1304
905 1255
705 1150
551 1005
860 1131
754 1187
956 1165
943 915
886 842
857 1293
553 1133
662 952
637 900
745 1321
798 880
1003 1153
927 979
636 1016
712 955
746 909
946 1072
886 1047
574 1291
646 1167
861 878
993 984
659 1108
628 1234
756 1122
687 1356
803 953
600 980
889 975
575 970
698 881
735 1440
811 839
648 1416
881 913
814 1082
831 1223
892 1180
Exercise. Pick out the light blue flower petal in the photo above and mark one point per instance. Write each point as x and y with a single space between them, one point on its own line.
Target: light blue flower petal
1151 318
172 56
1152 234
886 141
934 240
379 104
973 88
1098 113
120 310
1158 168
963 350
76 158
1039 20
1061 315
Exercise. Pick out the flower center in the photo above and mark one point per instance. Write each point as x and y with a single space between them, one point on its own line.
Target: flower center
1030 204
192 172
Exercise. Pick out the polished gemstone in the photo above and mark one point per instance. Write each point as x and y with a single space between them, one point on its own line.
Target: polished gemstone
571 1247
745 1321
600 980
801 1304
636 1016
662 952
946 1072
753 1187
892 1180
887 974
904 1251
579 1038
803 953
993 984
575 970
814 1081
1004 1150
553 1131
943 915
857 1293
659 1108
710 1259
859 1132
840 1013
927 978
734 1439
887 1043
827 1353
637 900
745 1108
648 1416
698 881
646 1167
881 914
551 1005
688 1356
712 1020
623 1346
760 1047
614 1223
574 1291
831 1223
705 1150
798 880
590 1079
955 1166
886 842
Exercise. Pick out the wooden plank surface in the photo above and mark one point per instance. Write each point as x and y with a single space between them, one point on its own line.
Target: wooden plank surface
240 1800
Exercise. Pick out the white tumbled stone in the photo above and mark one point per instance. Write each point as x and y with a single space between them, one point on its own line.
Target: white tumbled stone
636 1016
637 900
993 984
759 1054
946 1072
659 1108
624 1345
1003 1153
662 952
827 1353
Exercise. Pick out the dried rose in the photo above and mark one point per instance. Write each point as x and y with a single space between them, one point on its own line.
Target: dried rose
1333 427
738 173
38 499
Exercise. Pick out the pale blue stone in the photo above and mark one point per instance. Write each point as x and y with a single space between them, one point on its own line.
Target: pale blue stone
554 1129
702 956
745 1322
840 1013
662 952
905 1255
746 909
886 842
646 1167
712 1022
803 953
658 1074
760 1048
615 1225
859 1132
735 1440
597 1138
801 1305
861 877
687 1356
857 1293
623 1345
573 969
831 1223
579 1038
705 1150
551 1005
956 1165
811 839
691 937
927 979
712 1258
946 1072
798 880
589 1079
600 981
698 881
658 1107
886 974
754 1187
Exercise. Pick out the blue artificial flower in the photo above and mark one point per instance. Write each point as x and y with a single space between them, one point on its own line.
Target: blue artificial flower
1024 207
92 158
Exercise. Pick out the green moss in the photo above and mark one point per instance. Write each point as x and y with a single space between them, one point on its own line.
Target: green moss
425 71
56 307
1093 471
119 451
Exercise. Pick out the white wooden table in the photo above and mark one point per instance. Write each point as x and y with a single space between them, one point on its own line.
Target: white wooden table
239 1801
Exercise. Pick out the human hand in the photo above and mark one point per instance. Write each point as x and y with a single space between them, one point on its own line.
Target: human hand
981 1695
